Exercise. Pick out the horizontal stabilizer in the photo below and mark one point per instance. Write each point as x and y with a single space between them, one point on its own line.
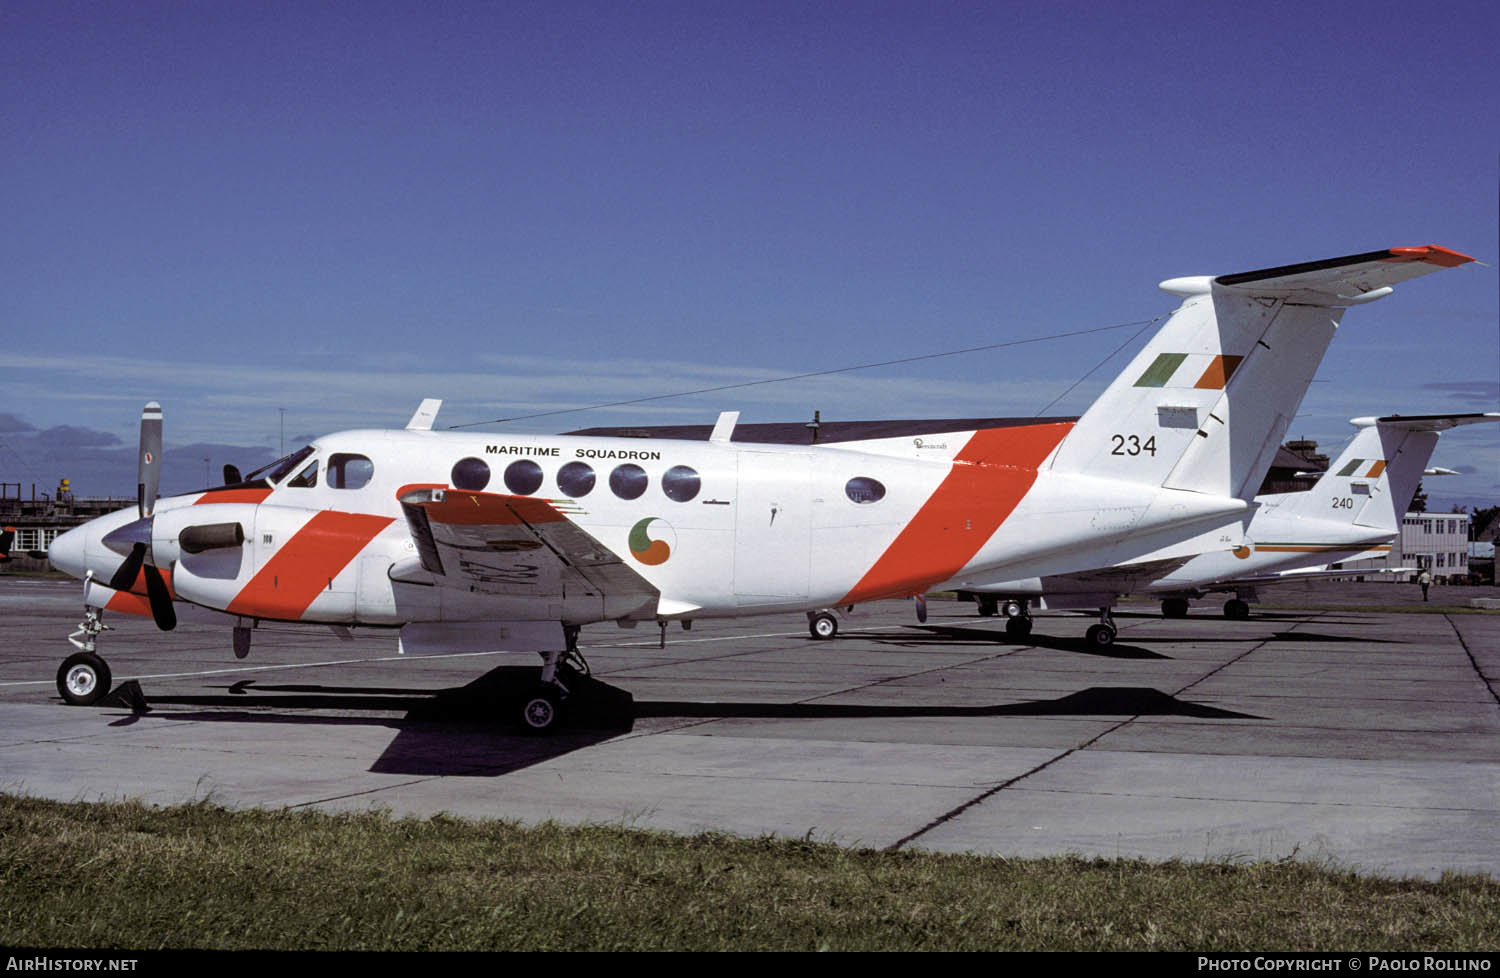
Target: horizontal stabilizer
1341 281
1428 422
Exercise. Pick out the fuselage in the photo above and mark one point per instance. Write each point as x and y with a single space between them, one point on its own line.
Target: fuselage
716 528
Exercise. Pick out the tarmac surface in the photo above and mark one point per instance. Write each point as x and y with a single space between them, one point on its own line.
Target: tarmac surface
1367 740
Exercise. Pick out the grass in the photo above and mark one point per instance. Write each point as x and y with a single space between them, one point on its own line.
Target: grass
200 876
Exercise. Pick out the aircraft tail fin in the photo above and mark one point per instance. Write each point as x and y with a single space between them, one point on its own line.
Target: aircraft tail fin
1373 480
1204 406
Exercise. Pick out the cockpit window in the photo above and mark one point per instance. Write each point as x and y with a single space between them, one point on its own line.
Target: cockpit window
307 478
349 471
280 468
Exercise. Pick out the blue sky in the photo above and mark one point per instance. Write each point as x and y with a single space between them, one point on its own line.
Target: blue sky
338 209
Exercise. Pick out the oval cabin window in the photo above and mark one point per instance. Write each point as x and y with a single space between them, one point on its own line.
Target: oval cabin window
523 477
681 483
472 474
628 481
576 479
864 490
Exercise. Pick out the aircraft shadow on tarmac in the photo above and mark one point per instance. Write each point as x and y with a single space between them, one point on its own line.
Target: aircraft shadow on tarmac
927 636
454 732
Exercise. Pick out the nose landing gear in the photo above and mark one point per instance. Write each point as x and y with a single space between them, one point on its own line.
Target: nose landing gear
83 679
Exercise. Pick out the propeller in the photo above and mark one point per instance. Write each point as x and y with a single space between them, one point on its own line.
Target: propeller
149 468
138 533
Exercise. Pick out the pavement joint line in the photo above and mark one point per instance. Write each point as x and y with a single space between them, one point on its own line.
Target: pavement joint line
980 799
287 665
1360 805
1473 661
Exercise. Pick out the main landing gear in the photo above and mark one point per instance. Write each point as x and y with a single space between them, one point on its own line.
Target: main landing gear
1236 609
83 679
822 625
990 605
543 708
1174 607
1101 635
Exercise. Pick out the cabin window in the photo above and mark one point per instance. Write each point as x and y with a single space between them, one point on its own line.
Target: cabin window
280 468
348 471
864 490
628 481
307 478
523 477
576 479
471 473
681 483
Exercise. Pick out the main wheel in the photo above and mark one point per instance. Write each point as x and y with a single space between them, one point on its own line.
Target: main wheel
989 605
1174 608
83 679
1013 609
1236 609
1018 627
541 710
823 626
1100 636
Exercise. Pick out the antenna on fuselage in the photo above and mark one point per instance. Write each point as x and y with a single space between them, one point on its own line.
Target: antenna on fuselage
425 416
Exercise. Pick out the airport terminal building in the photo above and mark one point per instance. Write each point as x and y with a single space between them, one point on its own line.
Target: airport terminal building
1437 542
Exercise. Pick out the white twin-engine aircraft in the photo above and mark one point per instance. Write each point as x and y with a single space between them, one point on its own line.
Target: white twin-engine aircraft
487 542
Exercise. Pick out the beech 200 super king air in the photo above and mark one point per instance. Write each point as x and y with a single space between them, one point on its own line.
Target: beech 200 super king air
1353 509
489 542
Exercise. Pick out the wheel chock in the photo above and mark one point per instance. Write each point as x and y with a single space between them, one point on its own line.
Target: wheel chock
129 696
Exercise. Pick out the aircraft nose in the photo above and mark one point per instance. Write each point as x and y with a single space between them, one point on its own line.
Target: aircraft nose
66 551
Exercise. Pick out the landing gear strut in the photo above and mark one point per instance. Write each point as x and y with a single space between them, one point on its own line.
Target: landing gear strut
544 706
83 679
1102 635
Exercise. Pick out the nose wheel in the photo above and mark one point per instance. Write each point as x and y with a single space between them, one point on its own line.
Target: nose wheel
83 679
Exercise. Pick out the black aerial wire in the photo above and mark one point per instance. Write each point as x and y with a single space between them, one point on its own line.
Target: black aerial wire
1142 323
1111 356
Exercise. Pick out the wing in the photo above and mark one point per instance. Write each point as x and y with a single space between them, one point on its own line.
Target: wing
1299 574
518 546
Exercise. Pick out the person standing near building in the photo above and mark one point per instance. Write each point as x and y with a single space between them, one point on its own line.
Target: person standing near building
1425 579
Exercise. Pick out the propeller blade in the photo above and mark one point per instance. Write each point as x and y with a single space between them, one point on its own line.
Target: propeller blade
125 574
149 469
921 608
161 600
